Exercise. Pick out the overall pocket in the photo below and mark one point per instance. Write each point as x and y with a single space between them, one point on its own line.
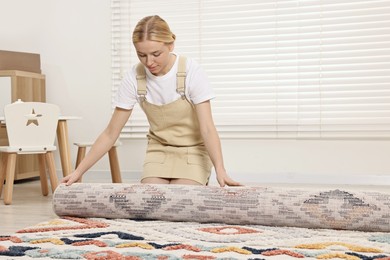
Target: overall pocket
199 156
154 154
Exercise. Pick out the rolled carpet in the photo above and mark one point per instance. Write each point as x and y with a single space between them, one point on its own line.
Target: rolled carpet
332 208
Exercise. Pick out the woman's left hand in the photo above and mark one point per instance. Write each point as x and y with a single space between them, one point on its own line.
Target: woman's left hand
224 179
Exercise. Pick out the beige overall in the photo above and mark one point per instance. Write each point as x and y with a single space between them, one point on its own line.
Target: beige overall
175 146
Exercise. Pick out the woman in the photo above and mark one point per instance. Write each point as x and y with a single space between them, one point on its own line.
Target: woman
183 143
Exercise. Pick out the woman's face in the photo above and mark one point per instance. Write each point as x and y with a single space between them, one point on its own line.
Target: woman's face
155 56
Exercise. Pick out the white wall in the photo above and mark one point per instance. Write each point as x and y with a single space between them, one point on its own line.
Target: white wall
73 38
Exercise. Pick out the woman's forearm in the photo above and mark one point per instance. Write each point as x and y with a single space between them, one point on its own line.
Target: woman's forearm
101 146
213 146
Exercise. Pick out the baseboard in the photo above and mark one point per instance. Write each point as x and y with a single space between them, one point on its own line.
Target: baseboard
288 178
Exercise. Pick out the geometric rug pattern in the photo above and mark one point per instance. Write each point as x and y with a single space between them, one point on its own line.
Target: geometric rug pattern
99 238
332 208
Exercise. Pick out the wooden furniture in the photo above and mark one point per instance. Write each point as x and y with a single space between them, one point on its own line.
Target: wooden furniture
27 86
63 144
112 155
62 141
31 129
13 60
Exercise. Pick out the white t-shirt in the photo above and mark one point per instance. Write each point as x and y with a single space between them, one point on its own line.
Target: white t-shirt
161 90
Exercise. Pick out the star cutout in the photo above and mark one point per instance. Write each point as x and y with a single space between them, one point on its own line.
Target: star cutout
32 118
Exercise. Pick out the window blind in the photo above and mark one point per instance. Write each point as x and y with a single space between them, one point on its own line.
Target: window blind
280 69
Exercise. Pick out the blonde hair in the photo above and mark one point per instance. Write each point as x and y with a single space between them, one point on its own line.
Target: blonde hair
153 28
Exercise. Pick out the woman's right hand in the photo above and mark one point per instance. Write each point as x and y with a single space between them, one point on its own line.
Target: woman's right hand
101 146
71 178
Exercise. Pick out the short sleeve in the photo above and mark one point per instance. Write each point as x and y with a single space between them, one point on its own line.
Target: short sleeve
126 96
198 86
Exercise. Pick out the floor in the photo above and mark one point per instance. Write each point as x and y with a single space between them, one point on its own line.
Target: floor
28 207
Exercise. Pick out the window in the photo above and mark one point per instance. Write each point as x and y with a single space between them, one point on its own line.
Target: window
280 69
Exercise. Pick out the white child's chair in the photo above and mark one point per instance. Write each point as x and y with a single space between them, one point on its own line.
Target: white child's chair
31 129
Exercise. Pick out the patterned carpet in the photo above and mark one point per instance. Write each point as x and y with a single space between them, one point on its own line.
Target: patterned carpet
309 207
98 238
169 222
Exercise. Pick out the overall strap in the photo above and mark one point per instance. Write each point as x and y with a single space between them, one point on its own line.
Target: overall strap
181 76
141 80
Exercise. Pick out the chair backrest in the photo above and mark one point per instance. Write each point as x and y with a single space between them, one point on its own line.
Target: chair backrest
31 124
